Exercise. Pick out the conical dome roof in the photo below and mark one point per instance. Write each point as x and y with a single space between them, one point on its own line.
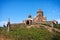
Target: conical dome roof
39 11
29 16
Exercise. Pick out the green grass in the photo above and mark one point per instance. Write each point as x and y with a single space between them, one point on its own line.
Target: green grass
17 33
57 26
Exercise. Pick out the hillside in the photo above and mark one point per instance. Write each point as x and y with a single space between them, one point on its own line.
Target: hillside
57 26
22 33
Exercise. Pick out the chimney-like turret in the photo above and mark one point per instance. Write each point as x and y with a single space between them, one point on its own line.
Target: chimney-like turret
8 25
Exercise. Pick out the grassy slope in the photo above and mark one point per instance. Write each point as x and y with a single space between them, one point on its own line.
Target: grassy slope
18 33
57 26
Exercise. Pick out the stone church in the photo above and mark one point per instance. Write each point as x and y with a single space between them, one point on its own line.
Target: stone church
39 18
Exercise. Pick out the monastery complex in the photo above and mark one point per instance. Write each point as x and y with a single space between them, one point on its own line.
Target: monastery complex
38 19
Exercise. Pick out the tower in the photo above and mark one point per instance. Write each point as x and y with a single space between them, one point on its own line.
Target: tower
40 13
39 18
8 25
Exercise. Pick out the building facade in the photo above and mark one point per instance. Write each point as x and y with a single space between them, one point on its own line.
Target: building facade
39 18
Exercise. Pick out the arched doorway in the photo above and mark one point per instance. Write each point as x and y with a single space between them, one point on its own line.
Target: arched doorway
27 22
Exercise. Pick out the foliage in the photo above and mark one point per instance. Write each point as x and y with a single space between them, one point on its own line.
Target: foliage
18 33
57 26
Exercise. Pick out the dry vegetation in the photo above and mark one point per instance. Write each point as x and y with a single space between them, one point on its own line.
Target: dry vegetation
22 33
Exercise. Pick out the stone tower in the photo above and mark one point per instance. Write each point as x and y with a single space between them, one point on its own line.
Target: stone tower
8 25
40 17
40 13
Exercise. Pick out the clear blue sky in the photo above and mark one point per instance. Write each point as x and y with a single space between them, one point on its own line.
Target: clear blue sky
18 10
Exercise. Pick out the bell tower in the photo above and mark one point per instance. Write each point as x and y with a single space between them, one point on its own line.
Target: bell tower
40 13
39 18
